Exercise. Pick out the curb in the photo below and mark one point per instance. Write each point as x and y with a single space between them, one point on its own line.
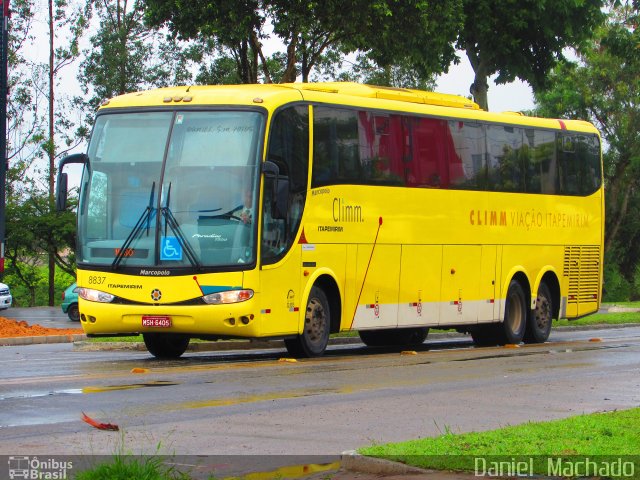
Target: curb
354 462
69 338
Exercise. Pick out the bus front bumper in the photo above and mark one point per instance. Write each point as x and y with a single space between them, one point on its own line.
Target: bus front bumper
230 320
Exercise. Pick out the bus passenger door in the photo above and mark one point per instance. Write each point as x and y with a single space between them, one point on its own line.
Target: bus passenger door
460 298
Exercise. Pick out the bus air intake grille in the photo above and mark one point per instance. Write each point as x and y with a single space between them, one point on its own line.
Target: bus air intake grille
582 268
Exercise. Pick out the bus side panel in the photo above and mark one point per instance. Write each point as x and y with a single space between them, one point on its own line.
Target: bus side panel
488 308
460 284
419 298
379 276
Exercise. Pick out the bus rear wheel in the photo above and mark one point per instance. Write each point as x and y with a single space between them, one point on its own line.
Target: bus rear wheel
313 340
394 337
539 324
166 345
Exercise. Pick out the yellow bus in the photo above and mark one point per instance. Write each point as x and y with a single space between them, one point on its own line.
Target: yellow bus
297 211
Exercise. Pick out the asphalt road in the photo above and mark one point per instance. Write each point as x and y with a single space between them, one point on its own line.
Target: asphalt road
249 403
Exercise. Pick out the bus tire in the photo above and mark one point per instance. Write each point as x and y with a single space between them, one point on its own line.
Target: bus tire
394 337
313 340
511 330
166 345
539 322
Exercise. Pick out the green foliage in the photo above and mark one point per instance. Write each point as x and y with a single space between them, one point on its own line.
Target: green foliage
313 32
636 284
604 88
612 433
616 287
522 39
35 292
127 56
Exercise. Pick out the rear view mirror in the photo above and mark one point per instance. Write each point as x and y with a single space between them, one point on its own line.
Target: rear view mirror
61 188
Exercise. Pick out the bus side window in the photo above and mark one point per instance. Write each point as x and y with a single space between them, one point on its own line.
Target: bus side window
289 149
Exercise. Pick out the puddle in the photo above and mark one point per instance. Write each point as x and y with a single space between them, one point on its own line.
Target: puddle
294 471
256 467
86 390
131 386
225 402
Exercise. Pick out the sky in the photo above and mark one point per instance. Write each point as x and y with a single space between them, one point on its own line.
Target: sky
516 96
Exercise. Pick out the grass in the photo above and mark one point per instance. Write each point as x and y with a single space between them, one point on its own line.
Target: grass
129 467
602 319
601 434
622 304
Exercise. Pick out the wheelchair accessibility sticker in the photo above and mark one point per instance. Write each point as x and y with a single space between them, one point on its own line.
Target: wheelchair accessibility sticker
170 249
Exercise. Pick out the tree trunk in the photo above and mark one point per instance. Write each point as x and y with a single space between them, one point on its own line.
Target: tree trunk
51 150
479 88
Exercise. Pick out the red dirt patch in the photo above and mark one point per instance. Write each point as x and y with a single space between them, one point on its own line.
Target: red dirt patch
15 328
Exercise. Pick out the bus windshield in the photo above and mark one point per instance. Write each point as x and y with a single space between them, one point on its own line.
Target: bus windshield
171 189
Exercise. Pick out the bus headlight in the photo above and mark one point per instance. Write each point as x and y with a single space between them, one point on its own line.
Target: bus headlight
94 295
229 296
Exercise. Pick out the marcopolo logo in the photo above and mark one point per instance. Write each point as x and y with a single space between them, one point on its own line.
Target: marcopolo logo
38 468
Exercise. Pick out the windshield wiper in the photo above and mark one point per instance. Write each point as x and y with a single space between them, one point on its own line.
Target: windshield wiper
171 222
145 217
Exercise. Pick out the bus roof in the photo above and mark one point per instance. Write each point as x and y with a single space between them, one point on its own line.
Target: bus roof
271 96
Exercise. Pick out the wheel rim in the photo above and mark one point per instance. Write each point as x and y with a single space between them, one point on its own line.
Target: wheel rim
515 317
542 313
315 322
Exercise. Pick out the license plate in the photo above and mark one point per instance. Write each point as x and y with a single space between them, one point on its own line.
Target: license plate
160 321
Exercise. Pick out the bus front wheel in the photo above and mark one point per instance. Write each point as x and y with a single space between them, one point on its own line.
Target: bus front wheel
515 315
539 324
166 345
313 340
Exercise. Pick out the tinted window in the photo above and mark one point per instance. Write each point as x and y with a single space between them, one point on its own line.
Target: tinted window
506 155
289 149
362 147
578 164
430 145
336 156
468 166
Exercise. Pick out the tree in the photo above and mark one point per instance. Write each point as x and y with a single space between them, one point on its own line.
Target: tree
367 71
309 29
71 21
126 56
522 38
604 88
33 228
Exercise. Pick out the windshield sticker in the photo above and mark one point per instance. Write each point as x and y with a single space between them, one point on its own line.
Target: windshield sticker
171 249
179 119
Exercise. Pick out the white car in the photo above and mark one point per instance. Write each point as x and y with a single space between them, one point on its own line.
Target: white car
5 297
